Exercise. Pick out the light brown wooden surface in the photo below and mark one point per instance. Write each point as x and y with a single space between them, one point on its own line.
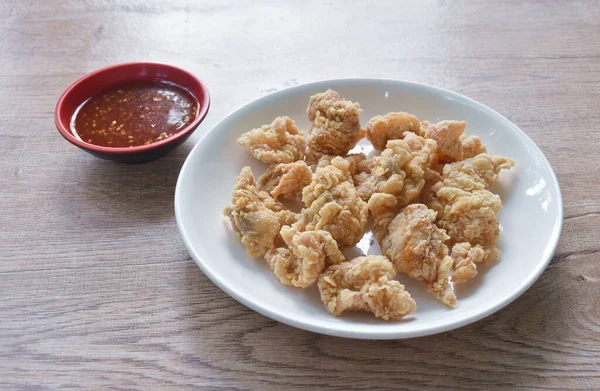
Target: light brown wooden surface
96 288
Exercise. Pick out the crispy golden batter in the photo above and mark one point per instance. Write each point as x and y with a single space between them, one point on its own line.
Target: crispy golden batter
418 248
255 216
396 178
472 146
391 126
447 135
467 211
387 174
400 170
335 126
278 142
359 167
287 217
331 212
453 146
383 207
431 178
321 102
357 163
365 284
471 217
464 259
305 258
285 179
477 173
332 204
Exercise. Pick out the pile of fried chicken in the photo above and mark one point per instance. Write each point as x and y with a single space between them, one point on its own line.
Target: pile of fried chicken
427 193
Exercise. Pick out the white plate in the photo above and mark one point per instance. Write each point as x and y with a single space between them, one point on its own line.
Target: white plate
531 219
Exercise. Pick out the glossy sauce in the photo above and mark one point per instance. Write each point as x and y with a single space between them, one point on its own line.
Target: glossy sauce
133 114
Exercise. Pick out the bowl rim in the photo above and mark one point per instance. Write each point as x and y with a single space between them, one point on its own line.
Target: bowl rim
203 102
369 334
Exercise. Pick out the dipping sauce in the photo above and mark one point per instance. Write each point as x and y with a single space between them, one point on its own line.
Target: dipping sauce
136 113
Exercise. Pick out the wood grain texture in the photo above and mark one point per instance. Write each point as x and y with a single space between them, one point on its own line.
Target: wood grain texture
96 288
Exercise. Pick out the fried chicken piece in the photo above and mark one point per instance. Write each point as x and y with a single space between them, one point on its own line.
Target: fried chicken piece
357 162
359 166
365 284
476 173
333 204
431 178
400 170
278 142
285 179
453 144
321 102
363 184
335 126
254 215
472 146
464 259
397 178
467 211
447 135
421 167
417 247
305 258
471 217
286 217
383 207
392 126
331 211
327 176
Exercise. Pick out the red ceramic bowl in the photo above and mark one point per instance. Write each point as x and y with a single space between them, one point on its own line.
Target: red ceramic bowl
95 82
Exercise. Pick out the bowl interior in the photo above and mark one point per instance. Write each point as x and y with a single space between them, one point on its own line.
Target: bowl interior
97 81
530 221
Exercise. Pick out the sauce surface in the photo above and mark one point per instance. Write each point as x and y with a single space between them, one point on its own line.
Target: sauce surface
136 113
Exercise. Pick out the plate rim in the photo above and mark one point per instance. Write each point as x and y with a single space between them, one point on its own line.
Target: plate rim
376 334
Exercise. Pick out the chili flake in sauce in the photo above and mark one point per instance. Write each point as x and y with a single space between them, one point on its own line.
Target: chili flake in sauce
136 113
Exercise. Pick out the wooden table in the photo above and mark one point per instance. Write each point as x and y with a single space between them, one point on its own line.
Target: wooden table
96 288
